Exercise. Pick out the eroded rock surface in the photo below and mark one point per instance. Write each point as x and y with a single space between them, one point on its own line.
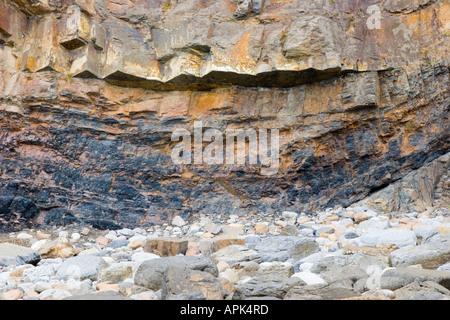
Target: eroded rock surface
90 92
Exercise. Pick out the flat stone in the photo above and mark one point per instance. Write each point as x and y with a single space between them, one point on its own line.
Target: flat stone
209 246
143 256
396 278
233 229
166 247
320 292
261 228
282 248
102 241
310 278
401 238
373 223
276 267
14 255
273 285
329 263
427 233
346 269
429 256
425 290
381 254
81 267
24 236
126 232
235 254
289 230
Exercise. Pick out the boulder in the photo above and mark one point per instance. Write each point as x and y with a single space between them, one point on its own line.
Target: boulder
283 248
181 280
235 254
166 247
381 254
320 292
396 278
401 238
425 290
429 256
116 273
209 246
272 285
14 255
50 249
152 273
81 267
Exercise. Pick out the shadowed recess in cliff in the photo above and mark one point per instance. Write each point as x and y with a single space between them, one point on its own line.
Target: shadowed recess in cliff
217 79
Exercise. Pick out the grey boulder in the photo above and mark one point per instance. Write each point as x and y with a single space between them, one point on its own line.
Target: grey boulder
81 267
396 278
14 255
152 273
429 256
401 238
283 248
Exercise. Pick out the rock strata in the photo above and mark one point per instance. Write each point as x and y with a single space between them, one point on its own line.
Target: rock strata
91 92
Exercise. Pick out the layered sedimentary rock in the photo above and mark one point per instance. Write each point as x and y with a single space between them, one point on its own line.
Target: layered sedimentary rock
91 92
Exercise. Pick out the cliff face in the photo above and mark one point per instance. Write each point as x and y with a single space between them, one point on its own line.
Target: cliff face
91 91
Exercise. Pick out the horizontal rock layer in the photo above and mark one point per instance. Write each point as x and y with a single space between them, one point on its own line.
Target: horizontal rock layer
91 91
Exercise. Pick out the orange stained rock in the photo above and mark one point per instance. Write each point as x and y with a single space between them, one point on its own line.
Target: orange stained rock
175 105
238 58
202 103
118 4
231 5
144 106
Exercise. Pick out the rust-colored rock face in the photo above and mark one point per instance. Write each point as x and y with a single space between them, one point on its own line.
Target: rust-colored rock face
91 92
